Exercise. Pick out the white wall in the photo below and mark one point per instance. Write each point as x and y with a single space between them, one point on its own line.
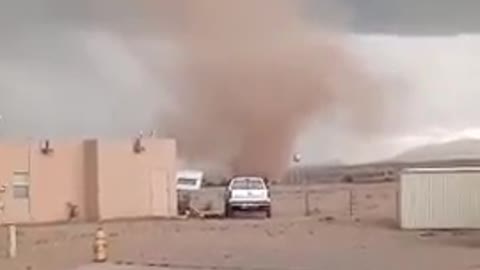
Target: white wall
440 199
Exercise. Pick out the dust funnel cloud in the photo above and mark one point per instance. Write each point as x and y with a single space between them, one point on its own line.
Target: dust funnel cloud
252 74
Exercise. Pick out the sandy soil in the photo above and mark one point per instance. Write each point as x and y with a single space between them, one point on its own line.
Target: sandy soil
335 236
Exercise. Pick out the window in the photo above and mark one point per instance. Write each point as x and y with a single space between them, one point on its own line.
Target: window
21 185
21 191
187 181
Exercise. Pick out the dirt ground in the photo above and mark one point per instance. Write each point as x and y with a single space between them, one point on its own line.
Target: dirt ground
350 227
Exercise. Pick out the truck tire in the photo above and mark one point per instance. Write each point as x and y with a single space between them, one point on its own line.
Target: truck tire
268 212
228 211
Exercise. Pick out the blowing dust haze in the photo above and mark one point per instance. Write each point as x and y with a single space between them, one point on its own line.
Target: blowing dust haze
240 84
235 82
252 76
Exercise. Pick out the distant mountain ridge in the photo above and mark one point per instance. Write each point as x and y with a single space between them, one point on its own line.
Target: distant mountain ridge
462 149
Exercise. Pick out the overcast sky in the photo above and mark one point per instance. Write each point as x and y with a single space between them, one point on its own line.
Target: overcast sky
421 17
65 70
433 88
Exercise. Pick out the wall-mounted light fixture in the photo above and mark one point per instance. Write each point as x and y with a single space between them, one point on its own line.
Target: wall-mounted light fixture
46 147
138 146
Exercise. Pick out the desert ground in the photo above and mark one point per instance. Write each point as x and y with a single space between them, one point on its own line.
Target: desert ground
349 227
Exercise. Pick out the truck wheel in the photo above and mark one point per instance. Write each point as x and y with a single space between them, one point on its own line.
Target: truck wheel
268 212
228 211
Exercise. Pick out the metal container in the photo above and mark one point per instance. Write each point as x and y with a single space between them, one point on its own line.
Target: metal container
439 198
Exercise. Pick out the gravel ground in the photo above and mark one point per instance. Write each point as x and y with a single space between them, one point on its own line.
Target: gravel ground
335 236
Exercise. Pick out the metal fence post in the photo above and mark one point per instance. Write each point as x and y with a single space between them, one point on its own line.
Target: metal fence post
306 192
350 202
307 202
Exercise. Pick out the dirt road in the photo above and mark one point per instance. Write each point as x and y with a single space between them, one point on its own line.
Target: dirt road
329 239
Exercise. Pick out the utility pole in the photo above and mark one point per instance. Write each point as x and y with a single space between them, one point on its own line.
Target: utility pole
297 158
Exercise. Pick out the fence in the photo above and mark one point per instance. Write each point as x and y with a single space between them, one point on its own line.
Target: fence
353 201
378 201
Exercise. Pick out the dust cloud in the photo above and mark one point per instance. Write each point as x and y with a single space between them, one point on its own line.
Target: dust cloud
252 75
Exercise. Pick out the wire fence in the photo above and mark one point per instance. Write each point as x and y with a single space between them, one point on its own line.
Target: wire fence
353 201
327 200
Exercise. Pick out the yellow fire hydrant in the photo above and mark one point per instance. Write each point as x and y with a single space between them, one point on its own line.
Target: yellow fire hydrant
100 246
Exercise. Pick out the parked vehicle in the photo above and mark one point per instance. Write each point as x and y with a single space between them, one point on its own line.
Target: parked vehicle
188 182
247 193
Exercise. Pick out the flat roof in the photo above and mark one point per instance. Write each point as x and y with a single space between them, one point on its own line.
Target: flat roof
441 170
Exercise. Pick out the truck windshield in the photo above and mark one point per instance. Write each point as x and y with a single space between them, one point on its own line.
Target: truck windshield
187 181
247 183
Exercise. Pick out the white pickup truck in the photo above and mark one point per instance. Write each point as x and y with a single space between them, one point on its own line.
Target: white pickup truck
247 193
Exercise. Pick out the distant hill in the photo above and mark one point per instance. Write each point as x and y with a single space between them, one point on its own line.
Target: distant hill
461 153
463 149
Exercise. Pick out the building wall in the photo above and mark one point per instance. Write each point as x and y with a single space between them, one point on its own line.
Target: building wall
13 158
90 161
105 179
57 179
131 191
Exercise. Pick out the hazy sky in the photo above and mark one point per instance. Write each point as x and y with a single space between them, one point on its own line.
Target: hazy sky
421 17
433 89
66 70
428 17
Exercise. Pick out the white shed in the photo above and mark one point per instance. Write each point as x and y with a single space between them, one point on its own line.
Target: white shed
440 198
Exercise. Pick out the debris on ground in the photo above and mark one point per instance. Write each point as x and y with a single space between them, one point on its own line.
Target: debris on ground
326 219
427 234
193 212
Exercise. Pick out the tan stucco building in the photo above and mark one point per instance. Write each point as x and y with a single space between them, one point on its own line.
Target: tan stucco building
102 179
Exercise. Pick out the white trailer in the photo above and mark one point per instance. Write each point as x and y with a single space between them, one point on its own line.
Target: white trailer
189 180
